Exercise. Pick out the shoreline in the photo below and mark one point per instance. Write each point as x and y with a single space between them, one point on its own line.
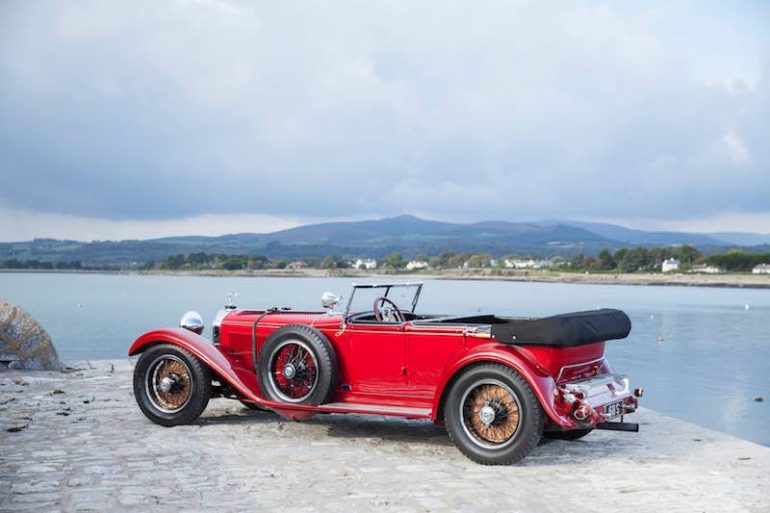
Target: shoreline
731 280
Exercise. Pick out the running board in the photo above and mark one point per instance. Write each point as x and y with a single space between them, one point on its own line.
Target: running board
376 409
618 426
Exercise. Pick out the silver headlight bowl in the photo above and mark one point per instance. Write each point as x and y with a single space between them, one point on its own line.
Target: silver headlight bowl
192 321
330 300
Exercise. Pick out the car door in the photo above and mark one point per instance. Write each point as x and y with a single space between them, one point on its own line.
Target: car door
428 350
377 359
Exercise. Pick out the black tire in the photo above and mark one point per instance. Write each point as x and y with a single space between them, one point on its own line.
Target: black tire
571 435
507 394
318 362
190 385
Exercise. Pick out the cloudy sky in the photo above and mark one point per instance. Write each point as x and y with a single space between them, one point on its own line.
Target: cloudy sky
139 119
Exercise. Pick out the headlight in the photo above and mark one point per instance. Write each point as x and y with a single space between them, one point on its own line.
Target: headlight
192 321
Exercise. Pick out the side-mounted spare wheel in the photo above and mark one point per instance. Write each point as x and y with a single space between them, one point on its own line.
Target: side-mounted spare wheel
492 415
297 364
171 386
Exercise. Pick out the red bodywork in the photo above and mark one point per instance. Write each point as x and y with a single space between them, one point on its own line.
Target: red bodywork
401 369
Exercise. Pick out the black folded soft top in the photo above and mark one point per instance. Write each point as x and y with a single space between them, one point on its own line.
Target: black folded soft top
571 329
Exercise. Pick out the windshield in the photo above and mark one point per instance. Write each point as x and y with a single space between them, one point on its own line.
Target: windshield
404 295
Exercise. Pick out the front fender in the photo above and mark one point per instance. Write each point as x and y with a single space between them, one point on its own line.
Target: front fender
542 384
201 349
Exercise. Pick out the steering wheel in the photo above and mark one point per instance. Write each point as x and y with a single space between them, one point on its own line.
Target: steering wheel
387 311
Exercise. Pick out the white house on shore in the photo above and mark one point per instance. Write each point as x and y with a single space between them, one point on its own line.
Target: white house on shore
365 263
515 263
416 265
705 269
669 265
761 269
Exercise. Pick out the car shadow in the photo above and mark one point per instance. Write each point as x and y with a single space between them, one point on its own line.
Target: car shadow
238 415
592 448
339 425
383 428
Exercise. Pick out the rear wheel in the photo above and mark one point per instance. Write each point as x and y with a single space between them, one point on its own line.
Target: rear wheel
171 386
297 365
571 435
493 416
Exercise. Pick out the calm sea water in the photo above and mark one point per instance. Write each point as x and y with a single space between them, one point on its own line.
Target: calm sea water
702 354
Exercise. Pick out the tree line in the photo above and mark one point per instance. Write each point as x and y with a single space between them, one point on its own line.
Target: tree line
625 260
15 263
639 259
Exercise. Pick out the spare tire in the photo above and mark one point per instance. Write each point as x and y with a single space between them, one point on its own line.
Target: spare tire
297 364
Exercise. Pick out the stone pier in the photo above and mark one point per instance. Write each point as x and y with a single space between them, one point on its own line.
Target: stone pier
76 441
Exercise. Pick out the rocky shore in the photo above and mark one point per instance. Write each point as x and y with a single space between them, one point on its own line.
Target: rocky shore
24 344
75 441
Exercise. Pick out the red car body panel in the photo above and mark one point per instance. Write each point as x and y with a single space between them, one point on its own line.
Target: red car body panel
401 369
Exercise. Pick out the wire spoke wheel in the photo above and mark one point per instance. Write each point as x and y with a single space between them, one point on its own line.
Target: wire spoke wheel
297 364
293 370
490 413
169 383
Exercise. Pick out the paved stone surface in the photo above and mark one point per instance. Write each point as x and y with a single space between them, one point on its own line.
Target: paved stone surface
77 442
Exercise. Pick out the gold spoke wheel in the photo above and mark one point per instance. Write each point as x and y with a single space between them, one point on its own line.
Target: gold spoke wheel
491 413
495 432
169 383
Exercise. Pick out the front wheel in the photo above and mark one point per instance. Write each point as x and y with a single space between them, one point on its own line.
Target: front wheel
493 416
171 386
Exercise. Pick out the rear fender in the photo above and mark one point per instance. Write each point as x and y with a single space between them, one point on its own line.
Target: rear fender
201 349
542 383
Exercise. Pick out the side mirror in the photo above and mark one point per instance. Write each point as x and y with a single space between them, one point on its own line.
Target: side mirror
330 300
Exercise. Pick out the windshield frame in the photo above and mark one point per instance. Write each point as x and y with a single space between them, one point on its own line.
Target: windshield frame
387 286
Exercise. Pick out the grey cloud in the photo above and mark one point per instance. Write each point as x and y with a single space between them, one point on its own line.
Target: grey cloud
504 110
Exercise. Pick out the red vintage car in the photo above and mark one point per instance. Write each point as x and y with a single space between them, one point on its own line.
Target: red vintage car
498 384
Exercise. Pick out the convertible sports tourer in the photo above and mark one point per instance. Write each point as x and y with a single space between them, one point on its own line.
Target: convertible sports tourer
498 384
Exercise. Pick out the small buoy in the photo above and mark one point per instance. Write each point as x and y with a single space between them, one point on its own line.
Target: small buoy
746 307
759 399
660 340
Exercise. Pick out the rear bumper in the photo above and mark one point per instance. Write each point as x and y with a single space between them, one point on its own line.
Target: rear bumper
597 400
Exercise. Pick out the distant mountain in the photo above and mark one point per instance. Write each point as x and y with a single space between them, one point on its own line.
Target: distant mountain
408 235
631 236
742 238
